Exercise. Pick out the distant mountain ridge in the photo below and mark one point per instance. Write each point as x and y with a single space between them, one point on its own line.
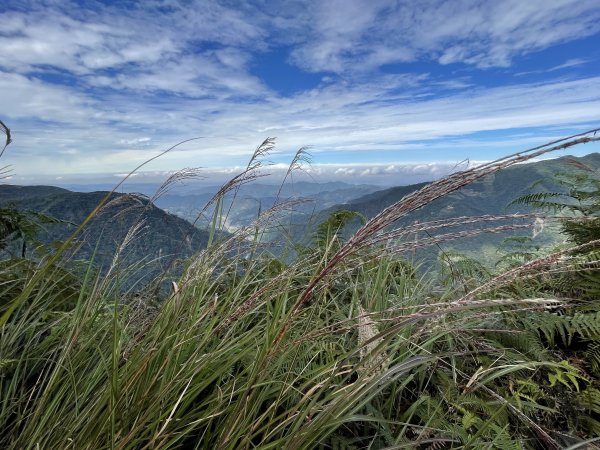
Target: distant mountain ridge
490 195
498 189
165 235
161 237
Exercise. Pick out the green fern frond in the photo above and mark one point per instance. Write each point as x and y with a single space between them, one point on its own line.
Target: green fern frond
337 220
590 400
592 356
525 341
552 326
587 325
590 425
540 200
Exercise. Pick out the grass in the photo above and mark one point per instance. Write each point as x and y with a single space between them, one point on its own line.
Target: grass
347 347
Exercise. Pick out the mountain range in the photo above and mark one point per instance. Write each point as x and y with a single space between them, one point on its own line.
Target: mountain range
163 235
252 198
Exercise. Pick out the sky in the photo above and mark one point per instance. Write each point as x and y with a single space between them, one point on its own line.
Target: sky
377 89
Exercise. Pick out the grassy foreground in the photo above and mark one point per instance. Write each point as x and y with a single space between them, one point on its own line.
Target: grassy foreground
348 347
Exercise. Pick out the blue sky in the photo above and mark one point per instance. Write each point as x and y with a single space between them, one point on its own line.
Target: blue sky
376 88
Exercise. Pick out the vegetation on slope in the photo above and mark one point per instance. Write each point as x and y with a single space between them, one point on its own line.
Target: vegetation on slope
48 215
348 347
492 195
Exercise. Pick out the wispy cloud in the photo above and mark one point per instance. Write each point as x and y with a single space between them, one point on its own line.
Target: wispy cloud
350 35
336 120
573 62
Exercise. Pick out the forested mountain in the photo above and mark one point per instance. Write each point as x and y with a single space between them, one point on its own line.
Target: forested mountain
160 236
490 195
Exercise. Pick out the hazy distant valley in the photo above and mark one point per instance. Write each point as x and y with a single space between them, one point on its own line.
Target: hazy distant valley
244 205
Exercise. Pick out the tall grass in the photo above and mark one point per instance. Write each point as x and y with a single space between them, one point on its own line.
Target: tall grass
347 347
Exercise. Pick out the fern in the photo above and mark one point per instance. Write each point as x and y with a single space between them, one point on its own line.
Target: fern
503 440
587 325
590 400
540 200
567 375
592 355
552 326
461 270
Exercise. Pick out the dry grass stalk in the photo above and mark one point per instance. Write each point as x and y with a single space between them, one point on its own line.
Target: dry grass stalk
268 216
189 173
429 241
8 140
261 151
528 268
255 163
133 233
301 158
248 239
247 176
135 201
129 201
423 227
396 315
5 172
578 164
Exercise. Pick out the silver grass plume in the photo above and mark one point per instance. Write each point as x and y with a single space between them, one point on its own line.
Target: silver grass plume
368 343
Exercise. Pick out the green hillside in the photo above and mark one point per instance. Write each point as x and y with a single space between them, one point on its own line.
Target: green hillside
490 195
160 237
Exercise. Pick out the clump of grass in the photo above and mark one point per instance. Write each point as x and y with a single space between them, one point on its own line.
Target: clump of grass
346 347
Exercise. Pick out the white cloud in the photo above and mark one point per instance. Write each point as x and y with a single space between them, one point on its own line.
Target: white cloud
333 119
484 33
57 40
192 77
103 90
343 36
28 97
573 62
138 49
134 141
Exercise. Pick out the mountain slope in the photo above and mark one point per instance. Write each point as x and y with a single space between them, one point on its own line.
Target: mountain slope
489 195
161 236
